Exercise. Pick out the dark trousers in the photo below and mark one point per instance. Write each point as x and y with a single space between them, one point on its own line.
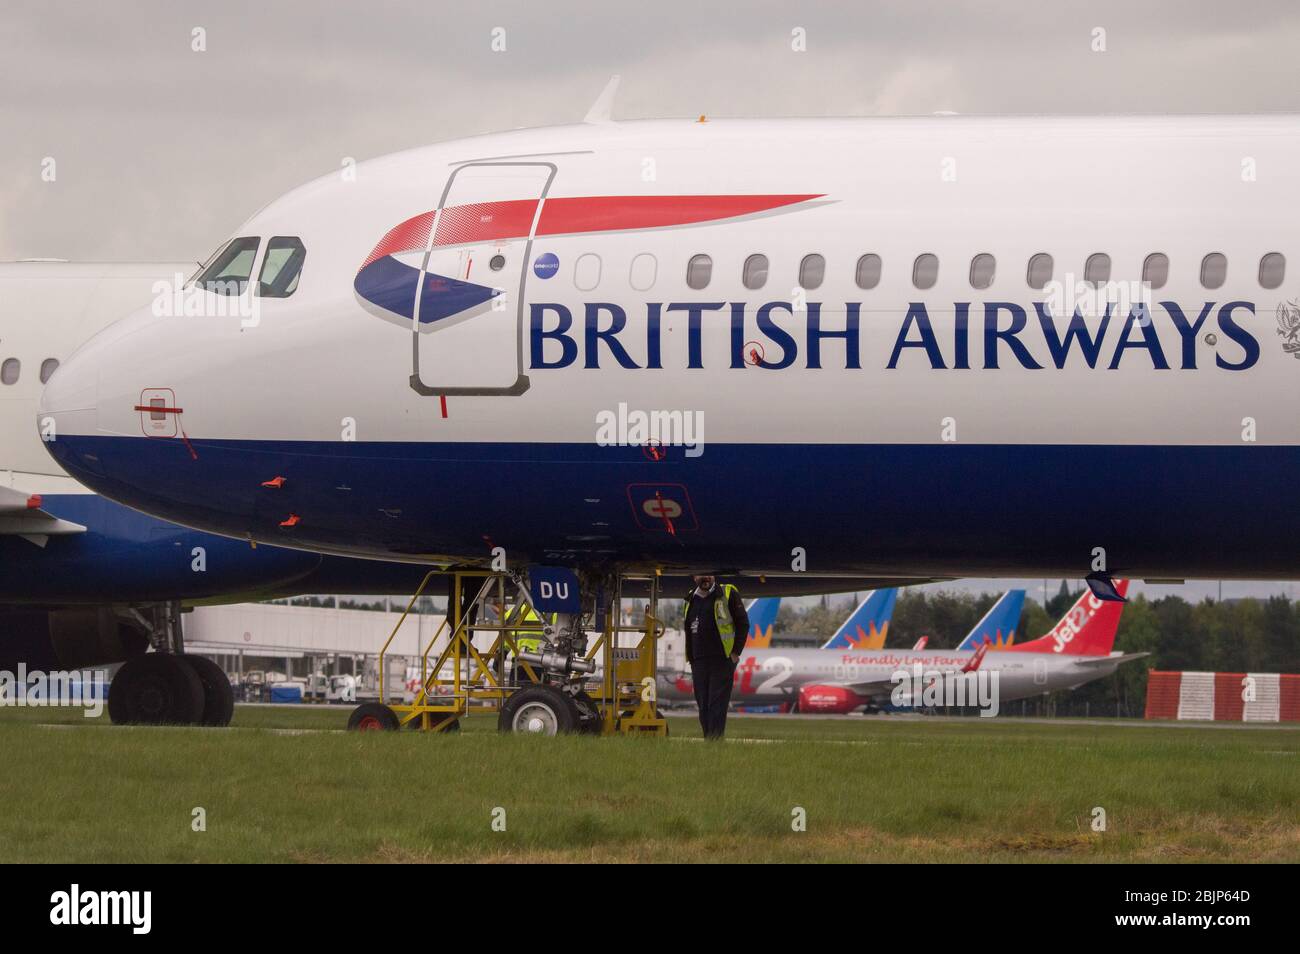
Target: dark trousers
713 677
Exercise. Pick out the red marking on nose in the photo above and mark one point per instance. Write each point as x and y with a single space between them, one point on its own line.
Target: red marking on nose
663 512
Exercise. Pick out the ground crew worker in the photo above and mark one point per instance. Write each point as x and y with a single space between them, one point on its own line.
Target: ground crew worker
716 629
526 641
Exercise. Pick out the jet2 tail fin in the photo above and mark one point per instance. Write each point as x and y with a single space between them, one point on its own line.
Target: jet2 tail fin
1088 629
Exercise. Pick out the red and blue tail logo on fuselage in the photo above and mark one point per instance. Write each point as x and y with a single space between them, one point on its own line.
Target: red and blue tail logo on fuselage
391 275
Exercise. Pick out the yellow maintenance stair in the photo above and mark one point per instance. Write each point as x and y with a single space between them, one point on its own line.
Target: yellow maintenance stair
564 686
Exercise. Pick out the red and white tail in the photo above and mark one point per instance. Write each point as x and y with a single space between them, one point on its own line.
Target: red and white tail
920 643
1088 629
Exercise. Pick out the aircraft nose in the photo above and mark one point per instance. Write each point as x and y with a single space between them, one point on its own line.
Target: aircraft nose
69 414
69 402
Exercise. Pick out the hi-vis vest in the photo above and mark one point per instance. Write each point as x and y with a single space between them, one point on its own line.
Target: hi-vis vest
527 641
722 616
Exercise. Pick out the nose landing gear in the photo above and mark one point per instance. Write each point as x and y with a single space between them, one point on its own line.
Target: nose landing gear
562 692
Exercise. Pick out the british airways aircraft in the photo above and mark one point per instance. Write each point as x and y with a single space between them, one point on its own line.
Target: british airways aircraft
937 325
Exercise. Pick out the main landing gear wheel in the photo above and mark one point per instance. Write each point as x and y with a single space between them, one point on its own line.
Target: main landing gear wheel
156 689
539 710
218 696
372 717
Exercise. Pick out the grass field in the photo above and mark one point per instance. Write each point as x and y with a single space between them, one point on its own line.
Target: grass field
281 785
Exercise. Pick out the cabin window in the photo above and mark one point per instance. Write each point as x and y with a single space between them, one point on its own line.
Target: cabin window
754 274
698 272
1097 269
811 271
925 270
1214 270
48 367
1040 270
228 271
497 262
982 269
586 271
644 270
282 267
1272 270
10 370
1155 270
867 274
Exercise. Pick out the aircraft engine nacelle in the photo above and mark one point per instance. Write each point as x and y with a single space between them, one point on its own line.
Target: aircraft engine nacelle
67 638
829 699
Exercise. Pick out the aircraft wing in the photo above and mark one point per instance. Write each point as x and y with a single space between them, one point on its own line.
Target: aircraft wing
885 687
21 515
1108 660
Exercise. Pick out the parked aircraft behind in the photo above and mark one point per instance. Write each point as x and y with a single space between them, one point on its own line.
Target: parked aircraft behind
762 618
998 627
867 626
1075 651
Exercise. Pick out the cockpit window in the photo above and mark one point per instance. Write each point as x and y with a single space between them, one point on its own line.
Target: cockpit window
228 271
282 267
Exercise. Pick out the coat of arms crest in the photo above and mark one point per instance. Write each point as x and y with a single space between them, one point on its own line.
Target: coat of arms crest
1288 326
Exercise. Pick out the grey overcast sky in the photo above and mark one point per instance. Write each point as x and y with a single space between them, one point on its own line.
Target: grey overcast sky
161 151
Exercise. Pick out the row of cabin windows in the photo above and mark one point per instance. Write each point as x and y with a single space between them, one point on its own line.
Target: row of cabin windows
925 270
11 369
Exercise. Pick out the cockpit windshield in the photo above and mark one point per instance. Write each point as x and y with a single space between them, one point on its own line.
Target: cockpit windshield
228 271
282 267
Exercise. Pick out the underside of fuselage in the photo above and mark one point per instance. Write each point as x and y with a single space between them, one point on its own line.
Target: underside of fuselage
866 511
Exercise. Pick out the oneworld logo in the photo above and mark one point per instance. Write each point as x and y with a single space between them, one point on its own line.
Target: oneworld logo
656 429
93 908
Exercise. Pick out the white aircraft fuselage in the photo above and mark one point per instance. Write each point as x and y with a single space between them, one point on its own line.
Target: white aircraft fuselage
478 326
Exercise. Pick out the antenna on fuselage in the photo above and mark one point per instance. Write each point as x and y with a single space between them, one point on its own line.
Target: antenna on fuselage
603 106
